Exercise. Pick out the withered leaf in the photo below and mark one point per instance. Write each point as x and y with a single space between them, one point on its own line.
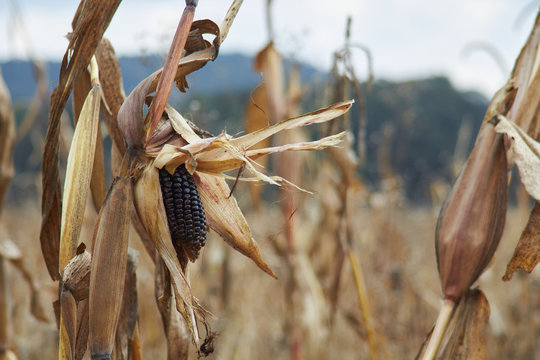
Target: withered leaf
527 252
526 155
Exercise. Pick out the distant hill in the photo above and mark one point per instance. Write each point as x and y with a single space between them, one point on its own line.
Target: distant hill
229 72
414 123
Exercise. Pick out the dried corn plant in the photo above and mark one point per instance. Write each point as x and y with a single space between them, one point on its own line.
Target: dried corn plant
169 183
472 218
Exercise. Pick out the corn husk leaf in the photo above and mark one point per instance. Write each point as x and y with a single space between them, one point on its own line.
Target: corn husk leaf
225 217
89 24
108 269
527 253
78 175
526 153
465 337
151 211
5 308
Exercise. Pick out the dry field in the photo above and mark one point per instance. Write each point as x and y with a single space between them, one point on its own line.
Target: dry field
394 245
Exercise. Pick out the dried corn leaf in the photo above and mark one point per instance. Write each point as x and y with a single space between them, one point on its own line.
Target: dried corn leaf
91 20
78 175
268 62
225 217
526 155
7 137
151 211
110 78
108 269
527 252
257 118
81 341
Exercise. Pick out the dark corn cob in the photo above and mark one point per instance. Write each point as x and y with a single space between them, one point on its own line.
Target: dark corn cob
185 212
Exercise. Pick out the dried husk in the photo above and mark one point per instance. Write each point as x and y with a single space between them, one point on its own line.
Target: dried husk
78 175
108 269
472 218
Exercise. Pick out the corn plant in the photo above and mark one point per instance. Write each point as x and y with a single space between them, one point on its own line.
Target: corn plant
169 182
472 219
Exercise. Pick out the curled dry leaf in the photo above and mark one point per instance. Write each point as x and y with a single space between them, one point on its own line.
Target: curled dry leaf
527 252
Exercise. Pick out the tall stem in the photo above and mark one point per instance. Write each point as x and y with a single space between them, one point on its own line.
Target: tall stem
168 74
440 328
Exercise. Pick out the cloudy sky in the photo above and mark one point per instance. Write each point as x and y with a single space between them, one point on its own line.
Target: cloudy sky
408 39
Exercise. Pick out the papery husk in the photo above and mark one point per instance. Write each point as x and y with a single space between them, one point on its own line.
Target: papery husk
108 269
225 217
472 218
78 175
89 24
151 211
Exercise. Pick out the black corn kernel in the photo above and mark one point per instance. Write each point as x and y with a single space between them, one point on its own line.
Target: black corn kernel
185 212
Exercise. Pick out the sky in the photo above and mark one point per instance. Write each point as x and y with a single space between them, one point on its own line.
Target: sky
407 38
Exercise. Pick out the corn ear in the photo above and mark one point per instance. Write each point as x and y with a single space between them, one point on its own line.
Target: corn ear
151 211
472 218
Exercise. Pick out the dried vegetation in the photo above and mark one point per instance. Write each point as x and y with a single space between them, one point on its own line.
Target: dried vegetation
356 271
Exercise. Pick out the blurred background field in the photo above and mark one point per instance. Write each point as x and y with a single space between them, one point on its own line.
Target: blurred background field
419 132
